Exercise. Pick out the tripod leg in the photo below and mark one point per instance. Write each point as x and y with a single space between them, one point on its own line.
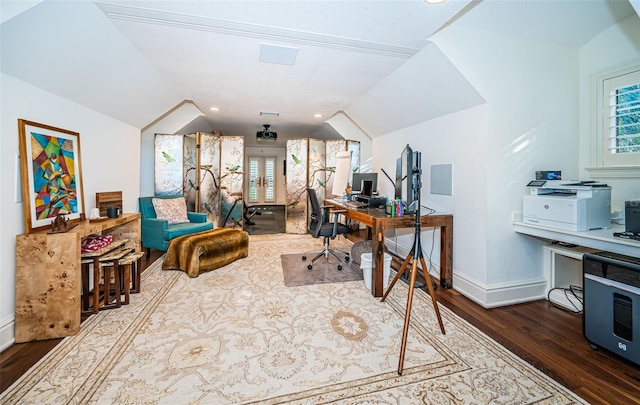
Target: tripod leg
432 293
407 315
400 272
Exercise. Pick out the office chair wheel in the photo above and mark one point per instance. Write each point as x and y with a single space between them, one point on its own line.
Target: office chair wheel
347 258
304 258
310 266
339 267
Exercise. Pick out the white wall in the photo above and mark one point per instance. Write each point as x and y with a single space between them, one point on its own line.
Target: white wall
344 125
532 93
596 57
468 202
534 119
426 87
110 154
529 123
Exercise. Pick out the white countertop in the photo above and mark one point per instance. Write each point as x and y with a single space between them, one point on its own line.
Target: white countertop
601 239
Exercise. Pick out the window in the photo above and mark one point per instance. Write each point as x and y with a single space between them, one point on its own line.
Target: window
619 128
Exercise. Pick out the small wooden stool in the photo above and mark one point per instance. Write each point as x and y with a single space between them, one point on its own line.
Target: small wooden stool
129 272
133 260
105 263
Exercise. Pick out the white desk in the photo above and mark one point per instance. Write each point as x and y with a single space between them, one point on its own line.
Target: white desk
601 239
563 266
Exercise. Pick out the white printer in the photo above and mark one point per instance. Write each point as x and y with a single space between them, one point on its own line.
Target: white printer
568 205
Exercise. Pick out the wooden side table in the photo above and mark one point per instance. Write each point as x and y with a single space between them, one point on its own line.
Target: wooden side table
48 276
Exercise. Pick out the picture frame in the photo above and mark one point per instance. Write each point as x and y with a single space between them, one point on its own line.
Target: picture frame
51 175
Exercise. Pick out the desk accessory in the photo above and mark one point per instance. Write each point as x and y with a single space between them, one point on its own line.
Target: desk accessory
60 224
548 175
632 216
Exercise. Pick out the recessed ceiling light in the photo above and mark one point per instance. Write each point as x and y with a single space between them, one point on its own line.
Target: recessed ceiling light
317 115
434 1
214 108
270 114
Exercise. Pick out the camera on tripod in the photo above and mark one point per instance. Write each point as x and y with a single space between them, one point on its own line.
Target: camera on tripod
408 170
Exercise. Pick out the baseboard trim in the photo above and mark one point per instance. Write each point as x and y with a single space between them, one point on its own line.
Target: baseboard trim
7 335
487 296
499 295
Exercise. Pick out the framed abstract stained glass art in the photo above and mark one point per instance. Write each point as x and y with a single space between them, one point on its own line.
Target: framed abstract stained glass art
50 174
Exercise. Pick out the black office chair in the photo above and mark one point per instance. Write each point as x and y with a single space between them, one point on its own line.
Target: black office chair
249 213
319 226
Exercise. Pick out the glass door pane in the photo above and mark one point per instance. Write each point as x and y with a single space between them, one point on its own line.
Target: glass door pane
254 180
270 177
262 176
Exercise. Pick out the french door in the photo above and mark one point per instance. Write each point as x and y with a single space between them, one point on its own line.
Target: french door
262 176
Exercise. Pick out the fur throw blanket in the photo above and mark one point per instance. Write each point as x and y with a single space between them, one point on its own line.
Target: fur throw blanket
206 251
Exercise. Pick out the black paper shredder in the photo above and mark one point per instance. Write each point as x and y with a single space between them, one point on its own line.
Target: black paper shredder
612 303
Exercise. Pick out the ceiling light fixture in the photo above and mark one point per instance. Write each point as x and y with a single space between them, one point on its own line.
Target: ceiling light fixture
269 114
434 1
214 108
317 115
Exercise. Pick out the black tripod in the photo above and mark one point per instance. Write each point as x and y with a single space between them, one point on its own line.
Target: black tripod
414 255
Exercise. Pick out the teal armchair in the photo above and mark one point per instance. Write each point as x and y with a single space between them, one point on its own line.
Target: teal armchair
157 233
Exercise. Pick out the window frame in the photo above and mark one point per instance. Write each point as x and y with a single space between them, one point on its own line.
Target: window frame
604 163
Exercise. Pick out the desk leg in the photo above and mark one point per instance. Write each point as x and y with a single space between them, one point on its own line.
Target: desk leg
96 285
377 253
84 268
116 276
446 254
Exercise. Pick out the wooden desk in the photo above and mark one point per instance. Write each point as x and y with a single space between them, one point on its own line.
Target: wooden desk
377 220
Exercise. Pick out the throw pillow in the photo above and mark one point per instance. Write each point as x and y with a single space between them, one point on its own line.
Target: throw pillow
174 210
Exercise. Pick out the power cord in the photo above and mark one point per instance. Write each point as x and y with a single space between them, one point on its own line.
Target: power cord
430 263
571 294
428 258
431 210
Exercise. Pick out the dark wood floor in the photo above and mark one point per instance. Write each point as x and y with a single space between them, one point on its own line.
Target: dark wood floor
551 340
547 337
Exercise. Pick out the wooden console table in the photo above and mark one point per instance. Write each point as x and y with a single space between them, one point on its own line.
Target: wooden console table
48 277
378 221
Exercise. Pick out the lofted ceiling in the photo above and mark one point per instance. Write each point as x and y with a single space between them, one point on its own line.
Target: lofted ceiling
136 60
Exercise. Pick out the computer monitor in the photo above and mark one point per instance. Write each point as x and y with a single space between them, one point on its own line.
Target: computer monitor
399 179
408 169
358 179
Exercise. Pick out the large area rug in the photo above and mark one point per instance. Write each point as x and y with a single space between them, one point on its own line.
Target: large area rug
239 335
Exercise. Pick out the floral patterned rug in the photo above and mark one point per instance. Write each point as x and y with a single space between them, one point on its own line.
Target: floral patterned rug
237 335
